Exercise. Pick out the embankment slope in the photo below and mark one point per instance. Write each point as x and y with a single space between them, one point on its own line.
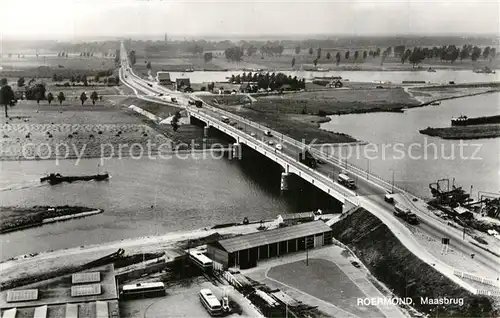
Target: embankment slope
400 270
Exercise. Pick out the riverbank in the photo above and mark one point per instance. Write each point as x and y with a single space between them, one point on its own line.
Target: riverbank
427 95
17 218
464 132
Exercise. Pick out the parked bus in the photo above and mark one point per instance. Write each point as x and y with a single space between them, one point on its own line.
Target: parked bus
143 290
210 302
344 180
225 119
201 260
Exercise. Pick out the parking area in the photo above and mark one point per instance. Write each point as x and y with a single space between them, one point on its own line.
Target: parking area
181 301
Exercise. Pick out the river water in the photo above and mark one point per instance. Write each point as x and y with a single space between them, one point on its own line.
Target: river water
425 159
186 194
440 76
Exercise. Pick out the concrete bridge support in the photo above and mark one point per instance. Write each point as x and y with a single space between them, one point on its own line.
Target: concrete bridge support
285 181
347 206
236 151
206 130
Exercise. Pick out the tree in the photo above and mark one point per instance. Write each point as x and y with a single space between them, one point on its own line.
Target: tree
50 97
251 50
493 53
297 50
347 55
208 56
54 77
486 52
83 97
148 65
356 55
84 80
61 98
7 97
132 57
20 82
234 54
293 62
328 55
365 55
97 78
318 53
94 97
311 51
315 62
337 58
399 50
476 53
117 57
39 96
72 79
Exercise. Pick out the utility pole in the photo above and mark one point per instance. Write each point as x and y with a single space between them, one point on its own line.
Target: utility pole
392 191
367 169
307 254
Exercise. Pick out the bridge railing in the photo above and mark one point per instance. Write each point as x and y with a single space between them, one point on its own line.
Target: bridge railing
387 185
328 182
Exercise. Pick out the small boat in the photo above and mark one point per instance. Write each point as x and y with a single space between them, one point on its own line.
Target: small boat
56 178
436 103
485 70
459 121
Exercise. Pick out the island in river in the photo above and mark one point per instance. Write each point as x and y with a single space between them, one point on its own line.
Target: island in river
20 218
473 128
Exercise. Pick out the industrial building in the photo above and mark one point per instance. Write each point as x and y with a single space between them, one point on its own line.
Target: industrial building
163 78
245 250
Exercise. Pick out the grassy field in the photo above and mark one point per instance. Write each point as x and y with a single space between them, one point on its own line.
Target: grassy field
464 132
337 101
326 281
180 62
298 114
48 65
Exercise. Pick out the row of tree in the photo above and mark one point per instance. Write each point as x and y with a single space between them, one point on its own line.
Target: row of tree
269 80
446 53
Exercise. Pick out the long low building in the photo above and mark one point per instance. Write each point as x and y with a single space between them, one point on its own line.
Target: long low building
245 250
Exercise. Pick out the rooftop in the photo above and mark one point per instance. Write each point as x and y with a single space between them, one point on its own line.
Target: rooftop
22 295
89 277
243 242
86 290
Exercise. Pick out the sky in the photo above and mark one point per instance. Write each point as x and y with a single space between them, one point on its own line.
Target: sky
52 19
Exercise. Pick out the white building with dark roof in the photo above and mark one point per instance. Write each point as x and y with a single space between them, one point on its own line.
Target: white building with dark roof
245 250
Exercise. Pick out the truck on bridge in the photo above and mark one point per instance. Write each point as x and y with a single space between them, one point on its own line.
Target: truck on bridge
306 158
406 214
346 181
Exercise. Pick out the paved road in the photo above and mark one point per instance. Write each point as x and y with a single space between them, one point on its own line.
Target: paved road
366 188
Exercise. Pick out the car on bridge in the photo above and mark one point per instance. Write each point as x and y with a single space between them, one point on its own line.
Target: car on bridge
270 142
268 133
279 147
253 134
389 198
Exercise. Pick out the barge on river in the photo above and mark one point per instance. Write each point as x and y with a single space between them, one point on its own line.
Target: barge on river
56 178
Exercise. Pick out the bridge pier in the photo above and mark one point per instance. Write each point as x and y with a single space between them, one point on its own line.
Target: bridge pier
285 181
347 206
236 151
206 130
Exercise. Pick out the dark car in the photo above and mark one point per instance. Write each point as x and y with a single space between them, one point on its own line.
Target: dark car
379 87
355 264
